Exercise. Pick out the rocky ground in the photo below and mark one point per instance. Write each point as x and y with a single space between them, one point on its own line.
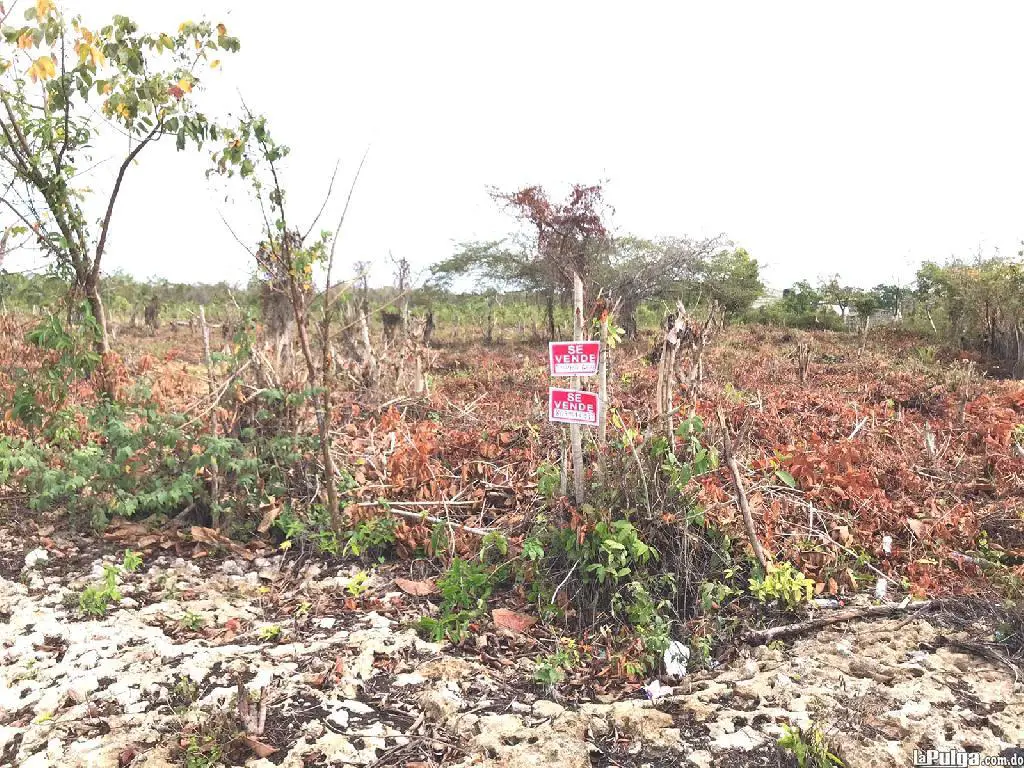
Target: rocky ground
318 666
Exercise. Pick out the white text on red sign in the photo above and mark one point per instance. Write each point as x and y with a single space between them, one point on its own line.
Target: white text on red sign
572 406
574 358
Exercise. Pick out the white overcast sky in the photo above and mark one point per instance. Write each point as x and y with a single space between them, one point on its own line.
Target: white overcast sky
823 137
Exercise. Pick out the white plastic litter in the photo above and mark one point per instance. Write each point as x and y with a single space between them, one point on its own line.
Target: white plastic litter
655 690
887 544
881 588
676 656
36 556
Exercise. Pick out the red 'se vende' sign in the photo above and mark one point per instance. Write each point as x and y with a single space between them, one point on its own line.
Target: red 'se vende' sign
574 358
572 406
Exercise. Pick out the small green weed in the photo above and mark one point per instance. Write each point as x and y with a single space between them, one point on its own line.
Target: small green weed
185 692
809 748
784 583
202 752
551 668
371 537
96 598
358 584
464 589
270 633
927 354
549 477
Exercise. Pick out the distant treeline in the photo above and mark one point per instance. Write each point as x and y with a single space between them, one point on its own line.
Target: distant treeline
972 304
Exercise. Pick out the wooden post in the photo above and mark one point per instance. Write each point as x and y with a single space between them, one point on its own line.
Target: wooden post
602 392
214 473
575 433
741 492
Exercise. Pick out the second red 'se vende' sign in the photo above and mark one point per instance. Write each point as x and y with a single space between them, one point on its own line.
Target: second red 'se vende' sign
572 406
574 358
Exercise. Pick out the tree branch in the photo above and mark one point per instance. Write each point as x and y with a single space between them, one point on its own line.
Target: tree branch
741 493
327 197
337 231
67 110
105 226
762 636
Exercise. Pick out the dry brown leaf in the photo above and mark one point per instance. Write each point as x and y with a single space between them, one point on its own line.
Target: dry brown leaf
214 538
842 533
315 680
418 588
258 747
207 536
127 531
269 517
517 622
917 526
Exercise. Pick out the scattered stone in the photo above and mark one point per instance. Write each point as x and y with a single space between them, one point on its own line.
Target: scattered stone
440 703
547 709
80 689
88 692
357 707
35 557
865 667
409 678
339 719
744 740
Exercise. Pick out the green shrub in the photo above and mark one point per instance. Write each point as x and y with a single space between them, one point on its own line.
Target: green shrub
372 537
809 748
784 583
465 588
550 669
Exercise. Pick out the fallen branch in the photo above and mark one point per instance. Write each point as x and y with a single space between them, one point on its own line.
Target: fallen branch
762 636
985 651
413 515
452 503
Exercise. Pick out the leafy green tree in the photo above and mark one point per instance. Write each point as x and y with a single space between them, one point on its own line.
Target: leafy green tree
834 292
62 87
635 270
865 303
802 298
733 279
931 286
891 297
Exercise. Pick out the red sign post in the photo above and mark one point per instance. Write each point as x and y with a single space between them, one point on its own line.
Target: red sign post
572 406
574 358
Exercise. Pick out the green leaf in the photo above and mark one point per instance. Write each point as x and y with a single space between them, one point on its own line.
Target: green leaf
785 477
